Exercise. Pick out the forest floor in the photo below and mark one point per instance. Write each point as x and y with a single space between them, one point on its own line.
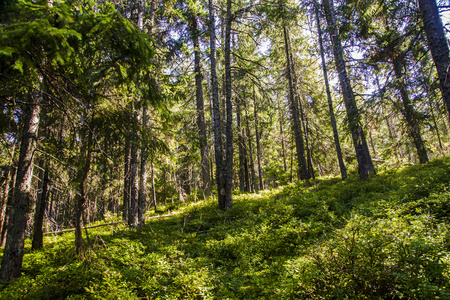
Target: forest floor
384 238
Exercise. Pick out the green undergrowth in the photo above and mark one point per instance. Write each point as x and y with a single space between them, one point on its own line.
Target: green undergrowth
384 238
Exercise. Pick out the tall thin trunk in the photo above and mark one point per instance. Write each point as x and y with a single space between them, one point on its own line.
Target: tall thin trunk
37 241
126 179
437 42
153 185
9 178
254 184
134 179
359 142
241 145
216 109
283 143
23 199
228 203
337 144
258 142
409 114
142 197
206 184
81 195
9 203
302 168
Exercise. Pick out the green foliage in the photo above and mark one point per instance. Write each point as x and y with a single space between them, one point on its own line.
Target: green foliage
384 238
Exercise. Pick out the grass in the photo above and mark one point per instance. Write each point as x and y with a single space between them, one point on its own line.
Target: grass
384 238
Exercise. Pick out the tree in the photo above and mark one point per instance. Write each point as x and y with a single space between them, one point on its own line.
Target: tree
438 44
354 119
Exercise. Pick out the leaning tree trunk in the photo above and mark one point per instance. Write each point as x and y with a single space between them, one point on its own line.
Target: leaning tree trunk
216 109
354 119
302 167
409 114
437 42
337 144
23 199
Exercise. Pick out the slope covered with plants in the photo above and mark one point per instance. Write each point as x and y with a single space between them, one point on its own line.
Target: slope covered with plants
384 238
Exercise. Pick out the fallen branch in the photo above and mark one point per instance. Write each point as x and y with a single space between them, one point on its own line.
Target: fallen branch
88 227
114 223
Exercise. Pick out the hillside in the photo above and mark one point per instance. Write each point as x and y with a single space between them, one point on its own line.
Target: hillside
384 238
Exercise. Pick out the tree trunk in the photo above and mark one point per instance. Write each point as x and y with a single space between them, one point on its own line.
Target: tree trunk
142 199
37 241
302 168
81 195
354 119
437 42
206 184
126 179
6 195
258 144
337 144
242 161
409 114
228 201
134 182
155 204
254 185
23 199
216 108
9 202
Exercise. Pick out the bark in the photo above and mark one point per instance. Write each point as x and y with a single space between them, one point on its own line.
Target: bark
254 185
81 195
302 168
155 204
37 241
283 144
409 114
258 142
23 199
359 142
142 199
8 181
437 42
242 162
126 180
206 184
337 144
134 183
216 109
9 202
228 201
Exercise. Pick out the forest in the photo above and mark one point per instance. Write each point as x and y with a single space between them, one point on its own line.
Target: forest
169 149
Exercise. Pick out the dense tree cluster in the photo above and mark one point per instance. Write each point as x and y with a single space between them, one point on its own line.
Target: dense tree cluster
119 106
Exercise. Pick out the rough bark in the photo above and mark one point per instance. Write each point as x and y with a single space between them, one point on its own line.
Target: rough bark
362 155
23 199
126 180
81 195
302 167
409 114
142 198
134 182
228 201
37 240
216 109
337 144
254 184
258 142
206 184
437 42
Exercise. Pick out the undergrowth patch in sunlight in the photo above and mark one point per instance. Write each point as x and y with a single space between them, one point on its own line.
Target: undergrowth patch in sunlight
387 237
